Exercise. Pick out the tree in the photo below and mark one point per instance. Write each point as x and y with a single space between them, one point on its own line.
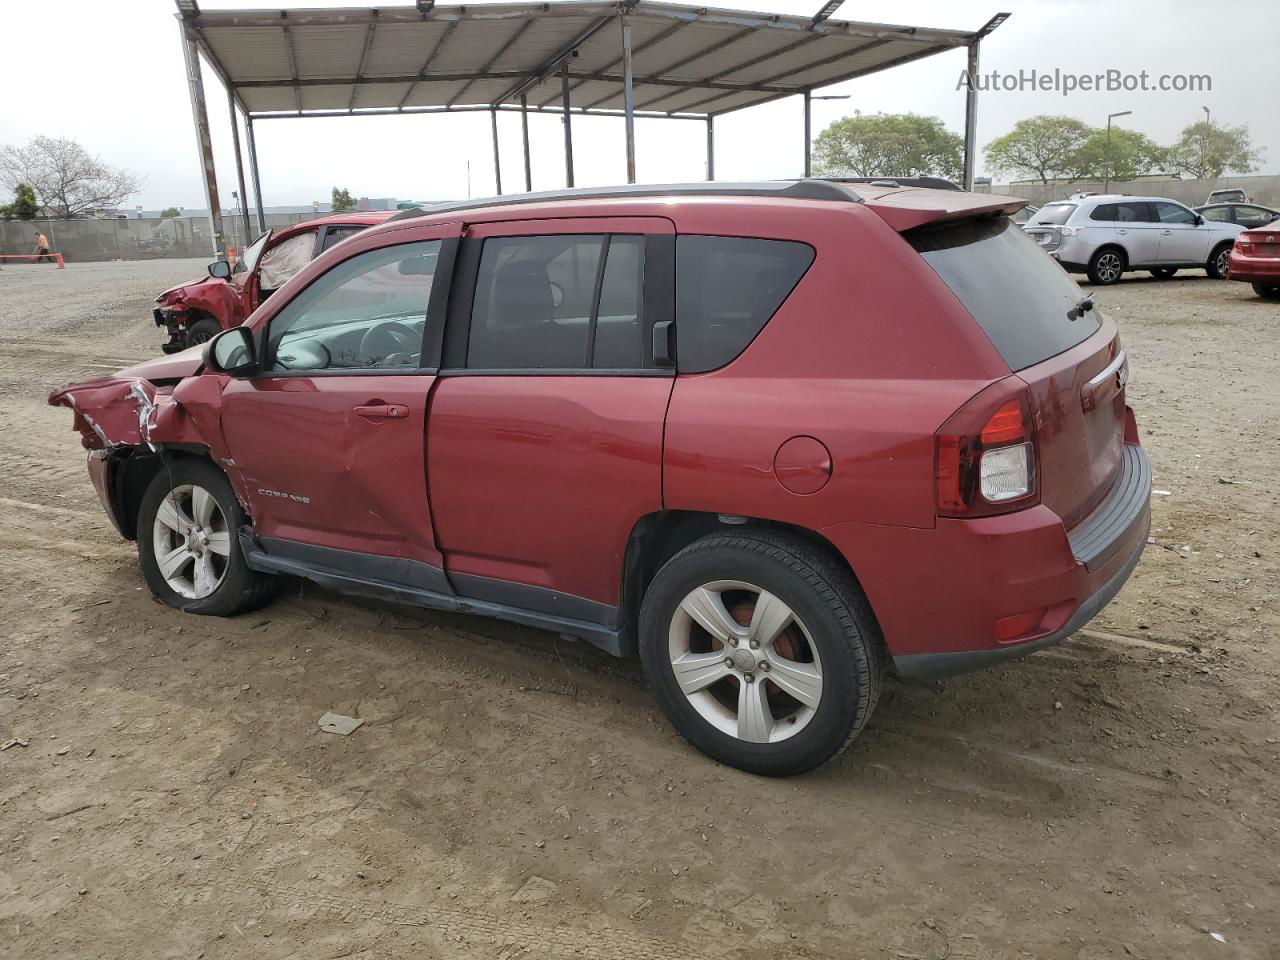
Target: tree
24 206
1206 150
67 179
342 201
168 213
1044 146
889 145
1132 155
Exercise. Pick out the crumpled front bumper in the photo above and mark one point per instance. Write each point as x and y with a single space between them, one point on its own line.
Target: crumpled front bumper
176 325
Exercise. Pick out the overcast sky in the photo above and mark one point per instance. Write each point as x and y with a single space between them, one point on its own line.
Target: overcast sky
110 75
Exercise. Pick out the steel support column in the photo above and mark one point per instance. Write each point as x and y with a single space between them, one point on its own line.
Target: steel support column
568 127
711 148
204 143
629 99
253 174
497 158
808 123
971 117
235 142
524 132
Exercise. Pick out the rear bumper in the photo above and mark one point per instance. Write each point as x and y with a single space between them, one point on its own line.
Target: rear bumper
1253 269
939 594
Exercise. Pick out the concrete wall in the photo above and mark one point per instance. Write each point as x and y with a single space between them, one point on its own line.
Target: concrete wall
1263 190
83 240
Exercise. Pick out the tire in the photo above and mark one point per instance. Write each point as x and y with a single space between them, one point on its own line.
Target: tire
1107 266
1164 273
202 331
828 649
197 576
1268 290
1216 267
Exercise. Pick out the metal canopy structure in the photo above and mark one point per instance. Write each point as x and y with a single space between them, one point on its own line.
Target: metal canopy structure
632 58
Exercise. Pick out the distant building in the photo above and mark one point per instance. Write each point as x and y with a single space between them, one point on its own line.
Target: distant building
314 209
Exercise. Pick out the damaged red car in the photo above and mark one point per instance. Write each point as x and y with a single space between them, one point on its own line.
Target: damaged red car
193 312
779 440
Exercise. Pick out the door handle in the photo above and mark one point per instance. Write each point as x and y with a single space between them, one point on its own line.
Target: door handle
382 411
1122 232
1165 233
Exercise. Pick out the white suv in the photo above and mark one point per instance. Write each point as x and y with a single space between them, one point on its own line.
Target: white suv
1104 236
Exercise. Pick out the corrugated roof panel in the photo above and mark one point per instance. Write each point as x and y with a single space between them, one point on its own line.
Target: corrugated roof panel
867 61
473 44
335 97
381 95
401 49
250 53
434 94
328 52
543 39
268 99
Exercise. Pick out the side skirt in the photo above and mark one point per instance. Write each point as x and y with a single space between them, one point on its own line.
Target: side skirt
365 575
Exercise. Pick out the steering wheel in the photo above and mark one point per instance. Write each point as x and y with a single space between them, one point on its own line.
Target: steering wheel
390 343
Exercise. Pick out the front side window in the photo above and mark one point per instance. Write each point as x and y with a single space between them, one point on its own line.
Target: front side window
1173 213
559 302
366 312
286 258
727 289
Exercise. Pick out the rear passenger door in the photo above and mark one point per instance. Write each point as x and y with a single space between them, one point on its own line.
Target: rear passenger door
544 437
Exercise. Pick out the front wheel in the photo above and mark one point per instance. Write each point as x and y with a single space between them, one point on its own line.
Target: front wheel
1219 261
202 331
188 542
1270 291
1106 266
761 651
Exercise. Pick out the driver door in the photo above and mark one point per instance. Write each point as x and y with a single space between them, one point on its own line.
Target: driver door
329 435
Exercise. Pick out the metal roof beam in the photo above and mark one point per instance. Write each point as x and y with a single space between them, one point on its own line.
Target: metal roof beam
293 59
471 77
484 70
466 108
453 25
614 64
364 57
697 55
549 66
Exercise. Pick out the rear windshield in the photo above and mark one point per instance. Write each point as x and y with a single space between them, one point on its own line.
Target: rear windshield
1054 213
1018 295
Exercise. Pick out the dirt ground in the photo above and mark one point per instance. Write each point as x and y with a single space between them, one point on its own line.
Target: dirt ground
511 796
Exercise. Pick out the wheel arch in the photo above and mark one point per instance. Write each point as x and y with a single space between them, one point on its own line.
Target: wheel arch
134 474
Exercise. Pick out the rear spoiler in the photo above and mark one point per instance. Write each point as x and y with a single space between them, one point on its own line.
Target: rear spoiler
904 209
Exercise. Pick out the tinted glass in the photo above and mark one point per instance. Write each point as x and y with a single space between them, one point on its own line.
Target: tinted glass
533 302
1019 296
338 234
618 343
1173 213
1254 216
1135 212
1106 212
369 311
727 288
1054 213
1218 214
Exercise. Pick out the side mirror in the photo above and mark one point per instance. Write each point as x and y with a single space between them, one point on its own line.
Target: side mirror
231 352
1199 220
220 269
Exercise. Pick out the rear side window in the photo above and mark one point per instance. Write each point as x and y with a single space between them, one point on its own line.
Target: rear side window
338 234
1019 296
565 302
1106 212
1218 214
727 289
1056 213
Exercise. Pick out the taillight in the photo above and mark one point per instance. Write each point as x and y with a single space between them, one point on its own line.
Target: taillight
985 454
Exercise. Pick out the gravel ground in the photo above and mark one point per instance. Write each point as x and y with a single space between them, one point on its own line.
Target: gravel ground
514 797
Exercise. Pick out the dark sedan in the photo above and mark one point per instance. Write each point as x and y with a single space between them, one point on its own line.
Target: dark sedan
1249 215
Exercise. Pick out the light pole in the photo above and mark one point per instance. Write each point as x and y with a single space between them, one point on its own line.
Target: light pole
808 99
1106 188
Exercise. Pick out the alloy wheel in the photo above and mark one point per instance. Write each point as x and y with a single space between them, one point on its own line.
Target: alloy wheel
1223 261
192 541
1109 267
745 661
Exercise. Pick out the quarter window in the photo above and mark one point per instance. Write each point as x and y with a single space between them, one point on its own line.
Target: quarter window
558 302
1254 216
366 312
727 289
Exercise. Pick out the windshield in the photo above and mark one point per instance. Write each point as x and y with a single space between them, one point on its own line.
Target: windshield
252 253
1054 213
1021 298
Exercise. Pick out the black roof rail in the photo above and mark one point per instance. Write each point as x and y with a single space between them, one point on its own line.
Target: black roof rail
787 189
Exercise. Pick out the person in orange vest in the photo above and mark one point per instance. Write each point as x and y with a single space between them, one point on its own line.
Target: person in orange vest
42 248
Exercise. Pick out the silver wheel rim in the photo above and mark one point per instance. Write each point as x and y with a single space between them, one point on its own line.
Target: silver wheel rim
1223 261
192 542
745 662
1109 267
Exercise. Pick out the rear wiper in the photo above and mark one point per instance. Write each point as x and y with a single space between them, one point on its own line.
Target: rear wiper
1080 309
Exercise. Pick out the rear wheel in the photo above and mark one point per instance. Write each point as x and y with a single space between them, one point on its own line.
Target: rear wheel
202 331
1269 290
761 651
1164 273
1218 262
1107 266
188 543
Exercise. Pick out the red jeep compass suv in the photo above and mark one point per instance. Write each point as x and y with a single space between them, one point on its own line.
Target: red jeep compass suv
776 438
